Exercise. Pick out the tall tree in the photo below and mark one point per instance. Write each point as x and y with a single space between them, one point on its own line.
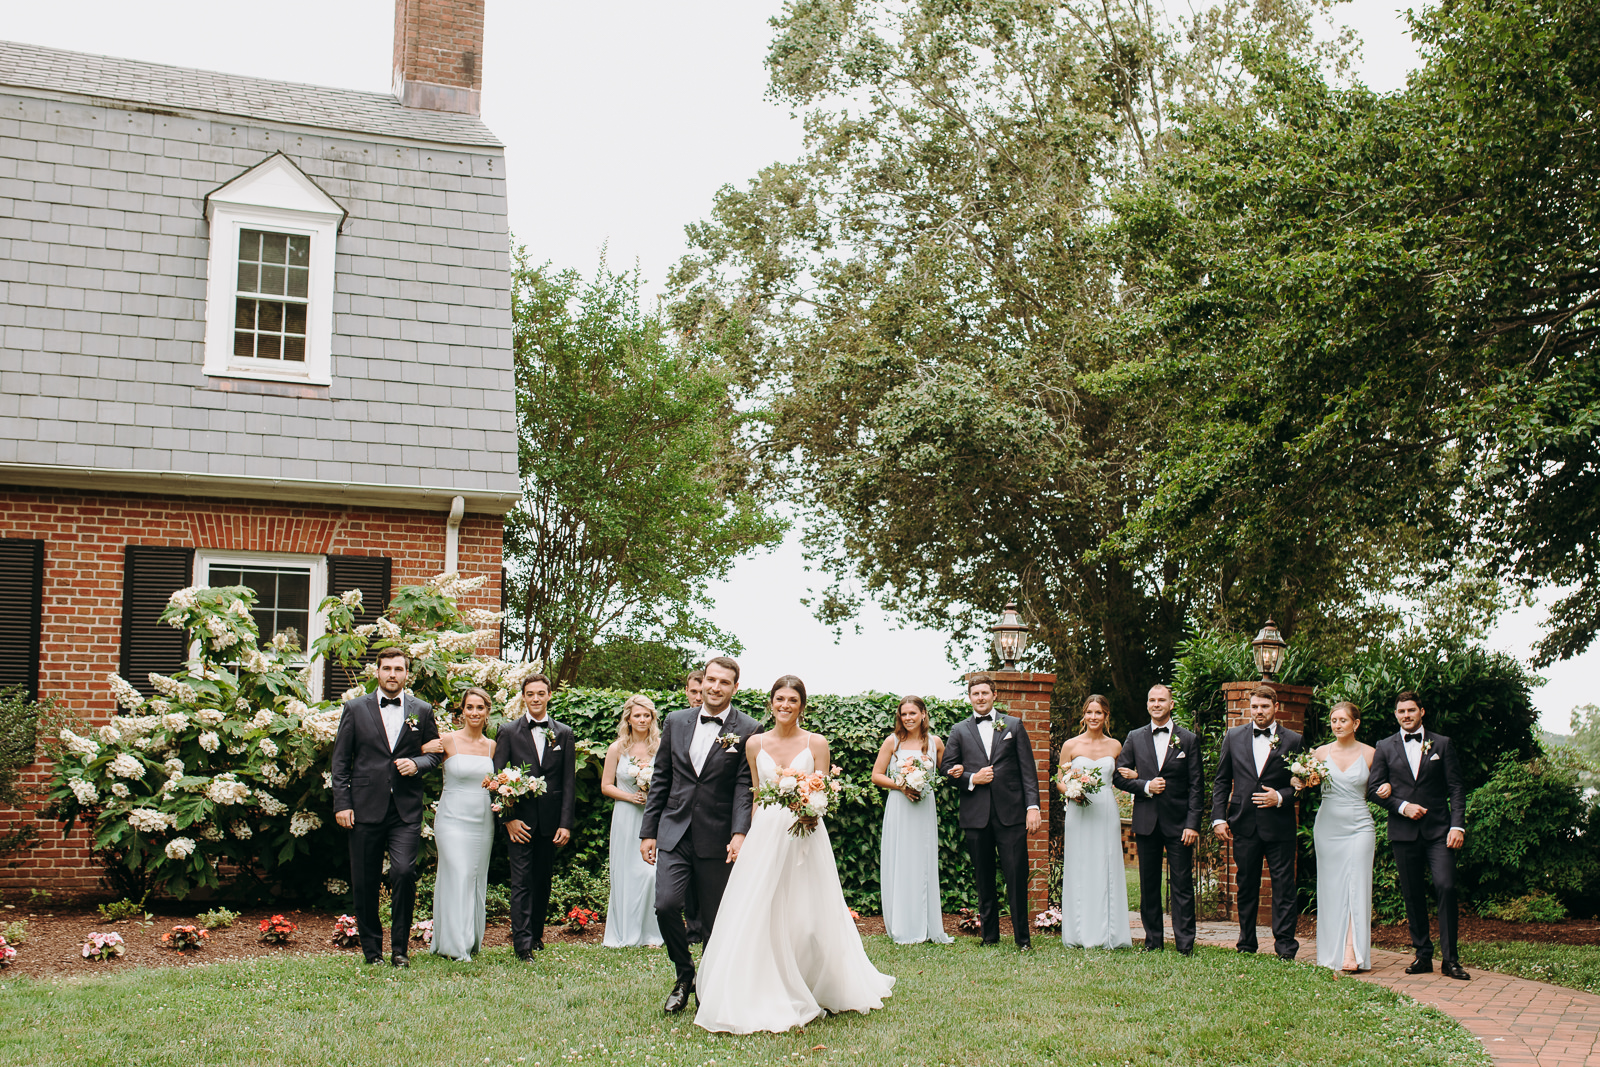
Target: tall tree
636 491
916 302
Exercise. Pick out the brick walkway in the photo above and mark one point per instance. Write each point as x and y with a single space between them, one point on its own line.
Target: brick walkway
1521 1023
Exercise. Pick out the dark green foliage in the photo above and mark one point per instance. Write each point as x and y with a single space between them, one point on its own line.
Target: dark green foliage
626 663
1526 835
19 720
1535 907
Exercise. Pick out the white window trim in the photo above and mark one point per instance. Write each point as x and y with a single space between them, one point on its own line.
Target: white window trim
316 625
275 196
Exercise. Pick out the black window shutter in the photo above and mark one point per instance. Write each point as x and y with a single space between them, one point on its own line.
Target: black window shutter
370 574
21 606
150 575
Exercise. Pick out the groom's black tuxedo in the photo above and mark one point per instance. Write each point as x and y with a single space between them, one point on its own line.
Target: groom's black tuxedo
692 816
533 861
388 811
1420 843
1260 833
993 816
1158 825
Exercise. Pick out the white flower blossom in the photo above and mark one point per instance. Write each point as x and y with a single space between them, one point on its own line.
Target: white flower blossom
323 726
171 784
209 717
182 692
296 707
84 791
268 748
351 599
367 629
79 746
109 735
420 648
387 629
269 804
427 830
177 720
255 661
180 848
273 775
337 886
327 780
120 791
222 636
281 641
209 741
149 820
211 832
787 784
160 706
303 822
241 705
238 608
126 695
237 750
351 693
818 802
261 719
482 617
126 765
174 766
184 599
457 641
241 830
226 789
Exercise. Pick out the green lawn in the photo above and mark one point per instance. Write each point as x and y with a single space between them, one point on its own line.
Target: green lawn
956 1005
1574 966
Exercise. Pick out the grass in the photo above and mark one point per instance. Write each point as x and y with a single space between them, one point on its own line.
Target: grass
953 1005
1573 966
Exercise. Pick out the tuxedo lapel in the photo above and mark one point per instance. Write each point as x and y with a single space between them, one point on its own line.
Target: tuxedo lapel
1405 760
376 718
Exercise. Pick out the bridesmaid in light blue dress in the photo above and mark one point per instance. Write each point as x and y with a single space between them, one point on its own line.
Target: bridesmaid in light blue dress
463 829
909 854
1345 839
631 913
1094 878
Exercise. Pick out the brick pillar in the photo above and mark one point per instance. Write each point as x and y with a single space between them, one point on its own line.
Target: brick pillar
1292 703
1027 696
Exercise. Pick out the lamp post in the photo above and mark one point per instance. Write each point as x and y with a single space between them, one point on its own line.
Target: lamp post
1268 650
1010 636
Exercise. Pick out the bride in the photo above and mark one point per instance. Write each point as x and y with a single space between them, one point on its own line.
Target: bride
784 949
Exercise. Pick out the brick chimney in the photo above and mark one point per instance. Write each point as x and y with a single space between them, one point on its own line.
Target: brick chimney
438 54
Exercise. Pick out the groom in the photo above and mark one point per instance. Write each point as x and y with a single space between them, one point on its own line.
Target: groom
989 753
377 771
697 814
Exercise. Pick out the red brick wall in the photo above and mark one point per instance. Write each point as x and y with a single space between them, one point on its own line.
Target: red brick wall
84 535
1027 696
433 40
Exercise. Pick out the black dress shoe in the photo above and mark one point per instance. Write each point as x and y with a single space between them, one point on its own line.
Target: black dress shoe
678 999
1245 951
1152 948
537 946
373 961
1420 966
996 941
400 960
1026 946
1186 951
524 955
1453 970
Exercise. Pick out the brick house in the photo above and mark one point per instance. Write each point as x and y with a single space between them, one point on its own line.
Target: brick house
250 332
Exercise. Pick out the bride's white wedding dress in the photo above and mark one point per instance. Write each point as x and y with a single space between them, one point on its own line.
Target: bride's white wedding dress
784 949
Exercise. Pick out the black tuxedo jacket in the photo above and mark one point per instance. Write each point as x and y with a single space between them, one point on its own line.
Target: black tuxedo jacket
1437 786
556 810
364 774
1015 788
1237 782
710 807
1180 806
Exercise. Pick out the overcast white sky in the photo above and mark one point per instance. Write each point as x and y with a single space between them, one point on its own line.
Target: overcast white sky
621 118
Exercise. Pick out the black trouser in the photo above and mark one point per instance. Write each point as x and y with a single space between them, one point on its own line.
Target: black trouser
1248 852
1180 860
1411 860
679 872
1010 845
532 865
368 842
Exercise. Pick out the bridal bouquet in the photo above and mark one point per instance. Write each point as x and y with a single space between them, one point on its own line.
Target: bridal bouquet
1308 771
807 795
511 785
1078 785
915 773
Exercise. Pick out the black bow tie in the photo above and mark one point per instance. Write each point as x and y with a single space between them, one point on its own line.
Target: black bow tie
1160 730
1417 737
983 718
542 724
1263 733
710 718
384 702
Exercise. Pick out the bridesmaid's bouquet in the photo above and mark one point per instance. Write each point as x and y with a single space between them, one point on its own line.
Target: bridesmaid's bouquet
511 785
915 773
1078 784
1308 771
642 773
807 794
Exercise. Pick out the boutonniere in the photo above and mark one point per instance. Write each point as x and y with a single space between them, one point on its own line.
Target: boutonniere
411 724
1175 746
999 722
1427 745
728 742
1272 742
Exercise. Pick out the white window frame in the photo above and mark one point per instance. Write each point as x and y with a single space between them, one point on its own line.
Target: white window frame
316 625
275 196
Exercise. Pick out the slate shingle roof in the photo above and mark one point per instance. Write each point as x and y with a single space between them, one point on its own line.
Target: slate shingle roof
160 86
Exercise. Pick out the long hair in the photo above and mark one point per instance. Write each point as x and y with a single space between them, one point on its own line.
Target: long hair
625 728
788 681
1105 706
488 702
900 731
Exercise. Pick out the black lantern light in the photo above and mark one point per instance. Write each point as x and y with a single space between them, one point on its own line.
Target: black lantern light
1268 648
1010 636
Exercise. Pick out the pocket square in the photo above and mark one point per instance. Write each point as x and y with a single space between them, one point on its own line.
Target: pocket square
555 748
1183 755
1433 757
1007 737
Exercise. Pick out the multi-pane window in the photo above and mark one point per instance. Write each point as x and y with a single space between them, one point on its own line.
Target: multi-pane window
283 597
273 292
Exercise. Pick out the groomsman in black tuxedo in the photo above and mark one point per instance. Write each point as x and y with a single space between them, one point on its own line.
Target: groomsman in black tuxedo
537 826
697 814
1162 767
1252 805
1427 802
692 686
990 755
377 770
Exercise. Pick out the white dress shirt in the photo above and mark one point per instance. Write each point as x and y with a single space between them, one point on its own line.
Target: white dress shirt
1261 748
1160 741
1414 757
394 718
705 735
986 732
540 737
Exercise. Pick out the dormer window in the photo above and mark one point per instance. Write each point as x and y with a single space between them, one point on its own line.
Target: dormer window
269 310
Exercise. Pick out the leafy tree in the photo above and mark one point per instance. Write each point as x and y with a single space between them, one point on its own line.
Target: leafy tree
1585 741
1528 836
623 663
635 490
915 304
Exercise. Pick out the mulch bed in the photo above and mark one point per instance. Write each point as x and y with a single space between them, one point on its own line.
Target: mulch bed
1472 928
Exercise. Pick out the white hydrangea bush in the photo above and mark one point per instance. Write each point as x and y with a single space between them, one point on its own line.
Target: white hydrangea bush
223 774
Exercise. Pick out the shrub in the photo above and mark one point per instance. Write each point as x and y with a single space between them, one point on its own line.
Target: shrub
1535 907
578 888
497 904
19 720
218 918
117 910
186 938
1525 835
16 933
